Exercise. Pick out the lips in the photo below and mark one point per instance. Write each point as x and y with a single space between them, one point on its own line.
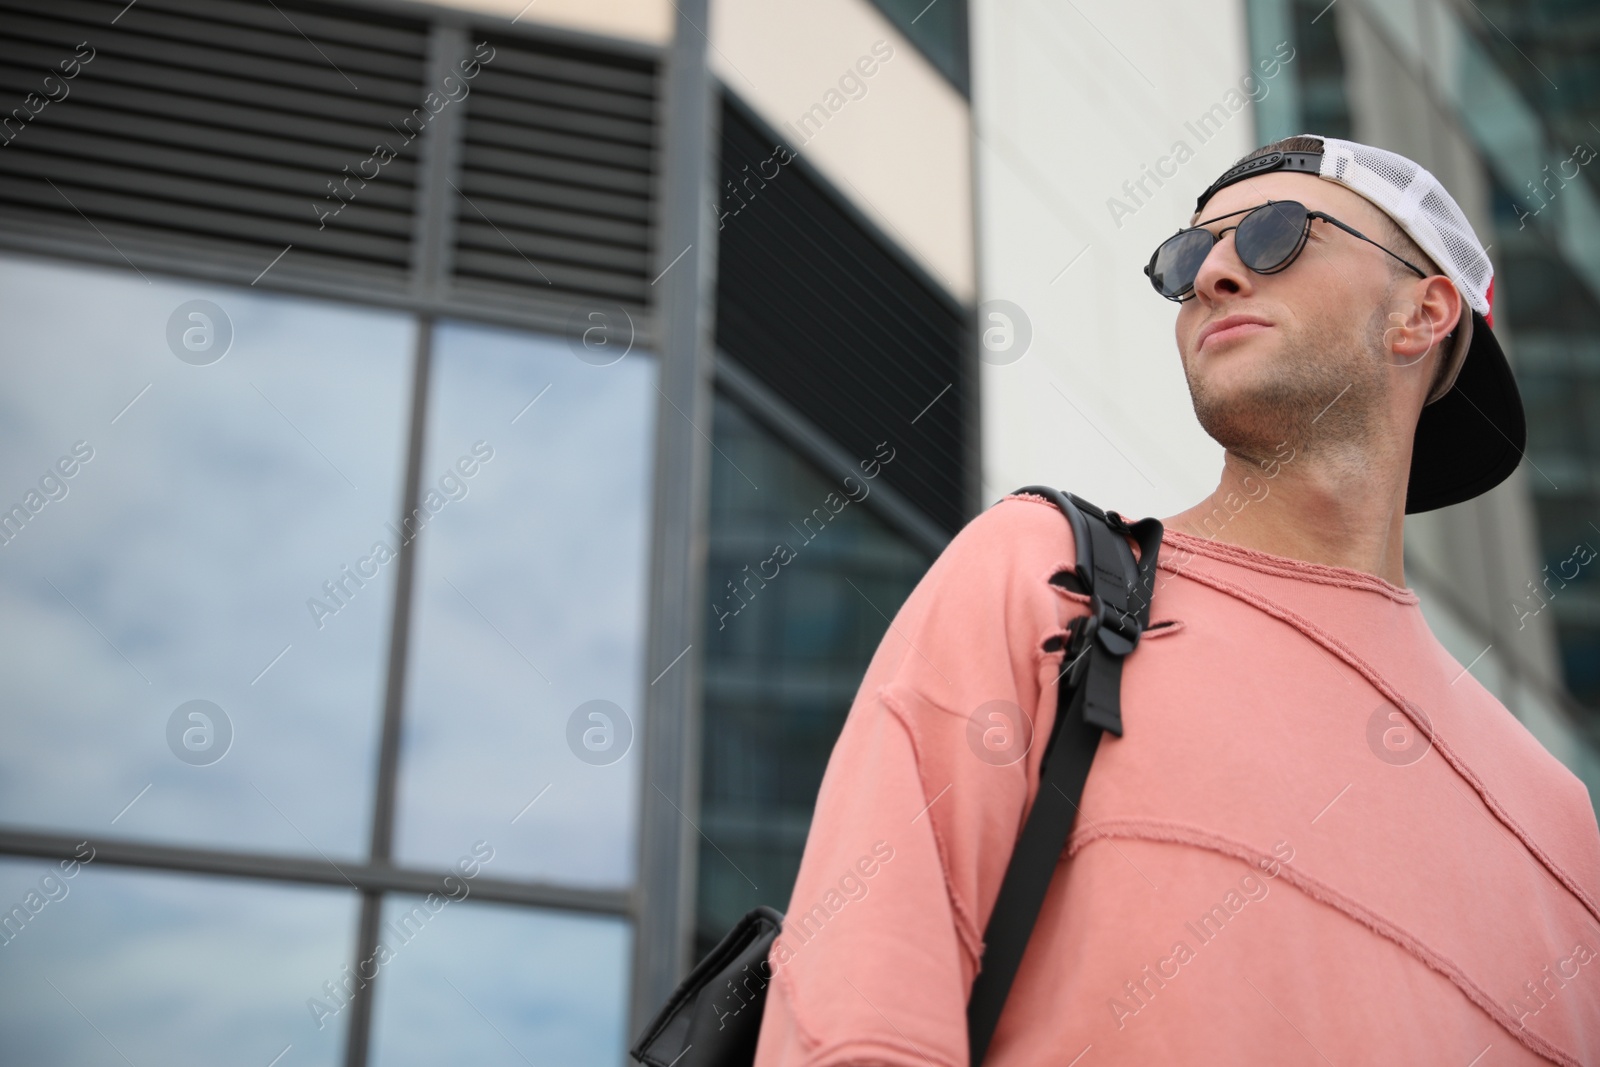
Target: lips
1229 327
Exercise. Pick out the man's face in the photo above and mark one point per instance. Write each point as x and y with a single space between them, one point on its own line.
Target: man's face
1293 342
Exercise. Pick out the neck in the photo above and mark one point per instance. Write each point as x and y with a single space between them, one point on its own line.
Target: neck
1327 508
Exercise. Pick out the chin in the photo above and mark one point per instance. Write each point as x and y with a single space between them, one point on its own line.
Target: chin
1248 416
1231 379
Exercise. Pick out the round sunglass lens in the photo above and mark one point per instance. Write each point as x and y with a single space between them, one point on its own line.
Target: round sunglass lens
1269 235
1178 260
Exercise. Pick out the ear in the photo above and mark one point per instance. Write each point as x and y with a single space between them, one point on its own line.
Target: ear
1420 316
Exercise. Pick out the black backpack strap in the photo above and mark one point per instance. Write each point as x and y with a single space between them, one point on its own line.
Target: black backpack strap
1088 703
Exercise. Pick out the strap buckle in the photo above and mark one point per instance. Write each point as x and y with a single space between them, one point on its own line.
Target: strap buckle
1117 631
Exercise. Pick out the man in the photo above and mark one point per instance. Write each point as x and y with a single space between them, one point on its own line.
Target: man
1320 839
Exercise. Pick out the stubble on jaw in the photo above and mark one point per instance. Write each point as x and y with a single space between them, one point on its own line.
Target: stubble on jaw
1320 391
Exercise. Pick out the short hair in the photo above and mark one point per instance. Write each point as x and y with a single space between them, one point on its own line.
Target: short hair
1394 238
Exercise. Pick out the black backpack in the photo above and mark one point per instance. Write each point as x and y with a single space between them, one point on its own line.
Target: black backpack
690 1031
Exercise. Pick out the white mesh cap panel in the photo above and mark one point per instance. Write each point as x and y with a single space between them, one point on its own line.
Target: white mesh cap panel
1417 201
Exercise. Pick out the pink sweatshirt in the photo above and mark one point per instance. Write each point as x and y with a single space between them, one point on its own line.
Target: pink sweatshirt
1272 866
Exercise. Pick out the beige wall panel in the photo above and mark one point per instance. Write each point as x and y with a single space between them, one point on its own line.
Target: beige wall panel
640 20
896 142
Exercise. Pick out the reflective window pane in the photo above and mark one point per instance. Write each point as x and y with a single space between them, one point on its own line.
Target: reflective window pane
939 30
110 966
186 473
788 638
492 985
530 604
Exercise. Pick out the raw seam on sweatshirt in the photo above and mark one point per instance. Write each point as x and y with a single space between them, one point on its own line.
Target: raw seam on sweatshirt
823 1057
966 926
1283 566
1381 684
1181 834
785 988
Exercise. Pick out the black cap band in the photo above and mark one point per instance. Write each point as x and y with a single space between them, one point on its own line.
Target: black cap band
1305 162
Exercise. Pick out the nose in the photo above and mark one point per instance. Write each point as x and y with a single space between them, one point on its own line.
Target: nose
1221 274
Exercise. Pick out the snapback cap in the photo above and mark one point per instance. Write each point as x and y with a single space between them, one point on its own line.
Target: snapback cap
1472 430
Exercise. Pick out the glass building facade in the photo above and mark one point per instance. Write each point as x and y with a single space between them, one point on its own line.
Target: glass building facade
343 491
805 578
1547 218
333 492
1519 86
200 647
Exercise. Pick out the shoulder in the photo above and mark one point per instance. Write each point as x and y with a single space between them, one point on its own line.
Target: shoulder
1020 531
1000 564
986 600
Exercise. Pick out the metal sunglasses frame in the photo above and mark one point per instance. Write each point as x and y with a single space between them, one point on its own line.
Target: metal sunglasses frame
1187 292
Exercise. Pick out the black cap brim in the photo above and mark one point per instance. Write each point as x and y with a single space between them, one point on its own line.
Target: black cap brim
1472 438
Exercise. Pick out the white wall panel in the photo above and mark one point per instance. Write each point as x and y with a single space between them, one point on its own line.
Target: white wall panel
1071 101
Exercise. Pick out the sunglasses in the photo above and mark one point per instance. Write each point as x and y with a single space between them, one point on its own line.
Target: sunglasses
1267 240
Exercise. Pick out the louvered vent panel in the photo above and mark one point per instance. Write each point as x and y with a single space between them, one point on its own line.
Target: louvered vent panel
557 176
215 126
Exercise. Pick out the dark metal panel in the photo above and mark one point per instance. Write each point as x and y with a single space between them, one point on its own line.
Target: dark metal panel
219 127
606 71
510 135
162 171
578 203
557 176
595 100
219 121
509 107
325 23
831 316
628 233
573 285
121 215
223 147
139 193
272 59
204 118
378 103
56 23
553 252
811 260
538 166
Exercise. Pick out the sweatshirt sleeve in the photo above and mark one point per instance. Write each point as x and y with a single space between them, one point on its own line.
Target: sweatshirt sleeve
922 800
